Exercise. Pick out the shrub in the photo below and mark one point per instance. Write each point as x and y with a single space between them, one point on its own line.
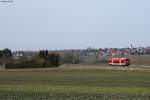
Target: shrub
22 65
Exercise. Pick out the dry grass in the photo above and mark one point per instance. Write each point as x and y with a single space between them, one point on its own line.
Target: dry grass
140 60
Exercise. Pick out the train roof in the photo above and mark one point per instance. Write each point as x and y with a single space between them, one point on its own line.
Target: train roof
119 58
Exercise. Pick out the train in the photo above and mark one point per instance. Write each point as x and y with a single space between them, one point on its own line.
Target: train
119 61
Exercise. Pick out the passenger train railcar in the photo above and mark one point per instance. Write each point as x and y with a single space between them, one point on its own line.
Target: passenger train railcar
119 61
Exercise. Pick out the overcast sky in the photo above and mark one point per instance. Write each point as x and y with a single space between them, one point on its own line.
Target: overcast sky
74 24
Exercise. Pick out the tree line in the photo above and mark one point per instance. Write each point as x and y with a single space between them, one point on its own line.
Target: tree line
5 56
49 59
44 59
6 53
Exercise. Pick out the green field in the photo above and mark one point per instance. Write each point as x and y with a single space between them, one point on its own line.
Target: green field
75 83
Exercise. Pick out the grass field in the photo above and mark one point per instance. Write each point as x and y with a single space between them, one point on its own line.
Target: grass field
140 60
73 83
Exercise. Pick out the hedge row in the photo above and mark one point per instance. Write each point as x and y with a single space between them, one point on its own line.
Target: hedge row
23 65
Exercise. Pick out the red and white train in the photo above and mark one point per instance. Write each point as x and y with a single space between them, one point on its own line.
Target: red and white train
119 61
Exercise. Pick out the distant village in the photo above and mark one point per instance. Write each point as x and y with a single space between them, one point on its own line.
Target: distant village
89 55
91 51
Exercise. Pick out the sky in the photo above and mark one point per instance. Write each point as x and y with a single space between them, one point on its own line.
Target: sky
74 24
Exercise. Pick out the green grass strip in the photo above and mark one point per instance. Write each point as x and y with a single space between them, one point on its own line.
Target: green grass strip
73 89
